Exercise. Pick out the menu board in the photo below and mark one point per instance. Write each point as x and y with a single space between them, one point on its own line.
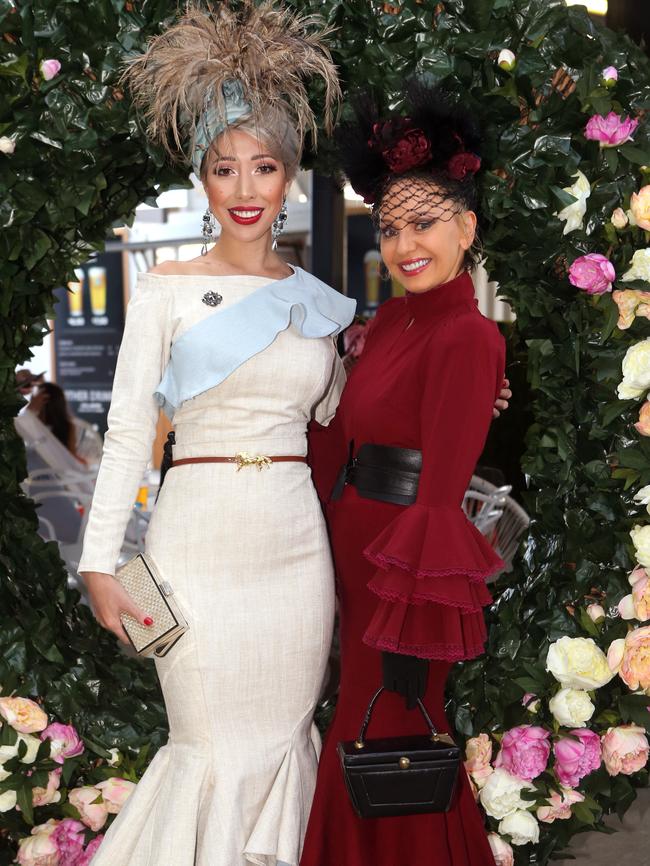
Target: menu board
87 334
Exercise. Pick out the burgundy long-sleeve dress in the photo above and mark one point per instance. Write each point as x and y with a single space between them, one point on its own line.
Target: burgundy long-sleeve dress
411 579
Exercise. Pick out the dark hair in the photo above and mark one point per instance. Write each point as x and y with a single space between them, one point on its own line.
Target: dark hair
434 140
55 414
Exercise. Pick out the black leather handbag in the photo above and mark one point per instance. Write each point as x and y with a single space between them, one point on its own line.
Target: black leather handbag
400 775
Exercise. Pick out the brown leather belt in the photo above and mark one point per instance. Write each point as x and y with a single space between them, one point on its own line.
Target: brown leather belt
242 460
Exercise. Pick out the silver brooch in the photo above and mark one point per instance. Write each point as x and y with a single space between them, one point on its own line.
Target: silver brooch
212 299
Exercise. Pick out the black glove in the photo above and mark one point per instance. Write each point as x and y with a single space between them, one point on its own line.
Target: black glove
406 675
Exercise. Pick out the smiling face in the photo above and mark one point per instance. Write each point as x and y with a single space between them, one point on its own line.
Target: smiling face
245 185
424 234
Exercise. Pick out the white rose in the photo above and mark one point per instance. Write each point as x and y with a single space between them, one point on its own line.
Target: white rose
115 757
7 801
578 663
500 796
8 752
619 218
7 145
4 774
574 213
643 497
571 707
522 827
636 371
640 264
507 60
33 745
640 536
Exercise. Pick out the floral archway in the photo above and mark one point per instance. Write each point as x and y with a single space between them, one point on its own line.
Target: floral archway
556 713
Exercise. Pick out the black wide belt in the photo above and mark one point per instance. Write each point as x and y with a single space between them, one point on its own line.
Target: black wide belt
382 472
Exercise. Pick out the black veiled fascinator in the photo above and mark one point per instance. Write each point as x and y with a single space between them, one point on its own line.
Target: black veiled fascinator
431 137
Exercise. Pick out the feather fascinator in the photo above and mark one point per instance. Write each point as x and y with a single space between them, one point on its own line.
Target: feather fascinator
257 56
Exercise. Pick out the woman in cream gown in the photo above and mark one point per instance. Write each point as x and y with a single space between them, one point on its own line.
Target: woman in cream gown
239 349
246 552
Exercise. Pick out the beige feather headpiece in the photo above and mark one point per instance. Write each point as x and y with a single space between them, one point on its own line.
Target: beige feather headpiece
211 68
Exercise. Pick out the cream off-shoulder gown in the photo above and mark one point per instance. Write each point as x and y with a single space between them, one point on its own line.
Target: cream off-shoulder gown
245 551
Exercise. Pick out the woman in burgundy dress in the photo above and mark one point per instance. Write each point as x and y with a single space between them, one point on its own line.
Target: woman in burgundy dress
411 568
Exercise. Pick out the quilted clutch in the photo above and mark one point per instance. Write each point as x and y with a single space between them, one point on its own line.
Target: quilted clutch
155 596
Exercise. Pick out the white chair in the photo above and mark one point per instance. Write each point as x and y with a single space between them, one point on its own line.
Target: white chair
497 516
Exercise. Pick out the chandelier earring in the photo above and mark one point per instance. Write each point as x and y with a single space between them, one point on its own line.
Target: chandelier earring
207 228
278 224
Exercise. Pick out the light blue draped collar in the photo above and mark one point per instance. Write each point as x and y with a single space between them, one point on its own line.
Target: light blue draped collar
208 352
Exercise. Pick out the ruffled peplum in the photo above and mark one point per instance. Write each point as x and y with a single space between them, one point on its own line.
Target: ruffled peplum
432 565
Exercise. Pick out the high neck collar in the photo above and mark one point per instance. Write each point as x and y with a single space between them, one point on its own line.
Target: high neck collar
443 299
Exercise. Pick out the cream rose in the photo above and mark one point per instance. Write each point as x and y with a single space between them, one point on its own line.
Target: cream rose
478 754
23 715
501 851
636 371
625 750
571 707
51 794
574 213
500 796
578 663
521 826
507 59
640 536
92 813
559 805
640 207
619 218
639 266
8 801
115 757
7 145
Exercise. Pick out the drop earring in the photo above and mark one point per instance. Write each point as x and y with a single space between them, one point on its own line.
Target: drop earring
278 224
206 231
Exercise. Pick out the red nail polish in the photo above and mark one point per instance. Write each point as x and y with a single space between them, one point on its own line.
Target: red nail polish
148 620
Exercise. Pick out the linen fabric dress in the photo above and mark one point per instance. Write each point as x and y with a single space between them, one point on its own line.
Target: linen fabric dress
245 551
410 579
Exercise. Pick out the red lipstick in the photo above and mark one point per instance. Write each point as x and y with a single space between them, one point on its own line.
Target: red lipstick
246 216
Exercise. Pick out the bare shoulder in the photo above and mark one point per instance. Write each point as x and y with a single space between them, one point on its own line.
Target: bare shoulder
175 268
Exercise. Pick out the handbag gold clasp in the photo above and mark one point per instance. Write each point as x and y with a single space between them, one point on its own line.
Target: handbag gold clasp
243 459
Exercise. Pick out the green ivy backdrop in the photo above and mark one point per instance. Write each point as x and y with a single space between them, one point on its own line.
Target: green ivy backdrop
81 164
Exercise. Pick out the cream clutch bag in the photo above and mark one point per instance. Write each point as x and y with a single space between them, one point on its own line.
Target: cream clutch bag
153 595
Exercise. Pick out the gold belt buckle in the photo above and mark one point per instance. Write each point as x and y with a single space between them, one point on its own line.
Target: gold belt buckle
242 458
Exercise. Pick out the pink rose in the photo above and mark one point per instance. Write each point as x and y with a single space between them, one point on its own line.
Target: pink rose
69 840
610 131
64 741
50 69
501 851
23 715
92 813
91 850
641 593
524 751
478 752
39 849
630 658
592 273
610 76
559 805
625 750
575 758
643 424
354 339
45 796
115 793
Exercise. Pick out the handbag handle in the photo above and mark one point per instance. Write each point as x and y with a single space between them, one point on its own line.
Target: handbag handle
359 743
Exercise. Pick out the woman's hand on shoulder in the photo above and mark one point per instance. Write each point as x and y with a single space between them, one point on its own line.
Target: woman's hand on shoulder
109 599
